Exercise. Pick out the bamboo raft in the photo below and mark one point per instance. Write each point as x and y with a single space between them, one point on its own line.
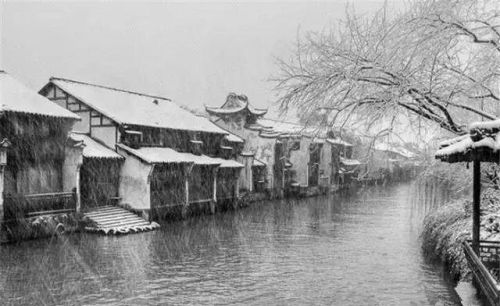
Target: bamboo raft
112 220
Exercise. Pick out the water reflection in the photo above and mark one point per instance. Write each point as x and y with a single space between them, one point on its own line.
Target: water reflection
351 249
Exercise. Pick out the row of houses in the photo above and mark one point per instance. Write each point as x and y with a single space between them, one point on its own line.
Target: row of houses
77 146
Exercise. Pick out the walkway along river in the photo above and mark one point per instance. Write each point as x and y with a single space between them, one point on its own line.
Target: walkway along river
360 249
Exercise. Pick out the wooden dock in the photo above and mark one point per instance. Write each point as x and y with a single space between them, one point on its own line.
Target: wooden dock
112 220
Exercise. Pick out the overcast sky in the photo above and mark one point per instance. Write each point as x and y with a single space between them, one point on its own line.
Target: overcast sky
194 53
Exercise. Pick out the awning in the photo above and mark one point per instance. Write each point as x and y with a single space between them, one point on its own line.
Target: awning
258 163
338 141
161 155
228 163
349 162
234 138
94 149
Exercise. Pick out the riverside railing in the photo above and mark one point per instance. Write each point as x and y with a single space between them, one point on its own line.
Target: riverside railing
20 206
485 268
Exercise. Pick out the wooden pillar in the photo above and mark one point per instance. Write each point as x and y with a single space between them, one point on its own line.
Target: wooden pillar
237 186
476 205
187 174
236 194
214 198
77 189
3 163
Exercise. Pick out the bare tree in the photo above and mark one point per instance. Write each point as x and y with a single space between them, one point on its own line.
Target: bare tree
440 60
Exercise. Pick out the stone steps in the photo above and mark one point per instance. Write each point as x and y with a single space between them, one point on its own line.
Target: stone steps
117 220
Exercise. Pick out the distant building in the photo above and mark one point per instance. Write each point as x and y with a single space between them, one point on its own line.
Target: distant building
286 156
390 161
172 160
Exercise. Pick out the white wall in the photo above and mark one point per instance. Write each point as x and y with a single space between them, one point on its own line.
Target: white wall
73 160
245 178
134 185
263 148
326 163
83 125
106 134
300 161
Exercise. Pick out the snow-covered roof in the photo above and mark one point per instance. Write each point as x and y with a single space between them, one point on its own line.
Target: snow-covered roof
16 97
451 141
395 149
350 162
258 163
247 153
467 144
339 142
162 155
228 163
94 149
277 128
485 125
235 103
126 107
234 138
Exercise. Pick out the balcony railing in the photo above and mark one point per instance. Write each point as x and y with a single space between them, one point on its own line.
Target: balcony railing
29 205
485 268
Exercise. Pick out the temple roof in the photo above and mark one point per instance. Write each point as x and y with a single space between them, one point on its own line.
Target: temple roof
235 104
16 97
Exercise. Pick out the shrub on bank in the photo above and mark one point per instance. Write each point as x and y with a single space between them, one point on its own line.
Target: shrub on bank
444 231
447 227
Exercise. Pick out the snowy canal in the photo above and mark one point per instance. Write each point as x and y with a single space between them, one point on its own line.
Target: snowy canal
359 249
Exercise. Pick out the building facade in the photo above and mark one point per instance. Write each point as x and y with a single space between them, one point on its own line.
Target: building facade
39 163
287 157
172 160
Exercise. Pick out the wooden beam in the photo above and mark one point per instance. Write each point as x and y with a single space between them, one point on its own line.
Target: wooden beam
476 205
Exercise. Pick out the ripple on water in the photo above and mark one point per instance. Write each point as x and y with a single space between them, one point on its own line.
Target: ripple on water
353 250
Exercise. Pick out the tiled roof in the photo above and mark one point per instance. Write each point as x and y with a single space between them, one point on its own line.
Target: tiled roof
349 162
134 108
275 128
16 97
395 149
482 143
339 142
94 149
234 138
161 155
228 163
234 104
258 163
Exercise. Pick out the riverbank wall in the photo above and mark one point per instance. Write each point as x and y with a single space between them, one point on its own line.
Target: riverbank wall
448 226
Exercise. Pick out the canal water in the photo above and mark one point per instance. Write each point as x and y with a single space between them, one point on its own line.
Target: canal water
357 249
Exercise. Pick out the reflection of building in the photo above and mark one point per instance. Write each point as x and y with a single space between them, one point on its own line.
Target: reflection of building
390 161
287 156
39 164
169 159
345 169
